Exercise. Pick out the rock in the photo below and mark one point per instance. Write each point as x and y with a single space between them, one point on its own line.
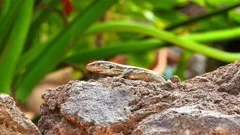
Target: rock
12 120
189 120
119 106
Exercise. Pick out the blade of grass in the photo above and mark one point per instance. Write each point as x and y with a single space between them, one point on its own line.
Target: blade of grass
55 51
217 35
29 57
209 36
5 4
36 49
111 50
6 22
15 45
167 37
38 18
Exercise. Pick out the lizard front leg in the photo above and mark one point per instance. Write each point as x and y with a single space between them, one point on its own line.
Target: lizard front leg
125 73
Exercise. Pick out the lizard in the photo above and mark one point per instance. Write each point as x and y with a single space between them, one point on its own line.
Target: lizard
128 72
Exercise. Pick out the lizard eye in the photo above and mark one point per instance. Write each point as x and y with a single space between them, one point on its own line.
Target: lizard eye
111 66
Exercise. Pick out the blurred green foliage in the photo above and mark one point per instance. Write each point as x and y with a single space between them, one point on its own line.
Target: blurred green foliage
37 36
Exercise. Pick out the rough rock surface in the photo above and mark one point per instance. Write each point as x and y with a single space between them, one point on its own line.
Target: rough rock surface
189 120
12 120
207 104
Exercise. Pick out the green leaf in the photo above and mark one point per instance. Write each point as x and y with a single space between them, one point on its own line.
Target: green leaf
5 4
209 36
7 20
39 17
214 36
33 47
15 45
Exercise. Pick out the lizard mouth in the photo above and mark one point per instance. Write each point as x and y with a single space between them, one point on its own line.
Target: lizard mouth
94 69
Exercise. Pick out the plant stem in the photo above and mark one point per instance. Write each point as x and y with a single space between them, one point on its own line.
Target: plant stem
183 42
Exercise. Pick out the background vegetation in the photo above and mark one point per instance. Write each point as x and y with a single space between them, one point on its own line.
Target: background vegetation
38 37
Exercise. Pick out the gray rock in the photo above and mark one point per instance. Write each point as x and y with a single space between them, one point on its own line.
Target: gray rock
92 103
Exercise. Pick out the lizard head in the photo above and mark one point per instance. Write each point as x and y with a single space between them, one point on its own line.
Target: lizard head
105 67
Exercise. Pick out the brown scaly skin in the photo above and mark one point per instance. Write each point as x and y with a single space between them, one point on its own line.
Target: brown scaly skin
128 72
